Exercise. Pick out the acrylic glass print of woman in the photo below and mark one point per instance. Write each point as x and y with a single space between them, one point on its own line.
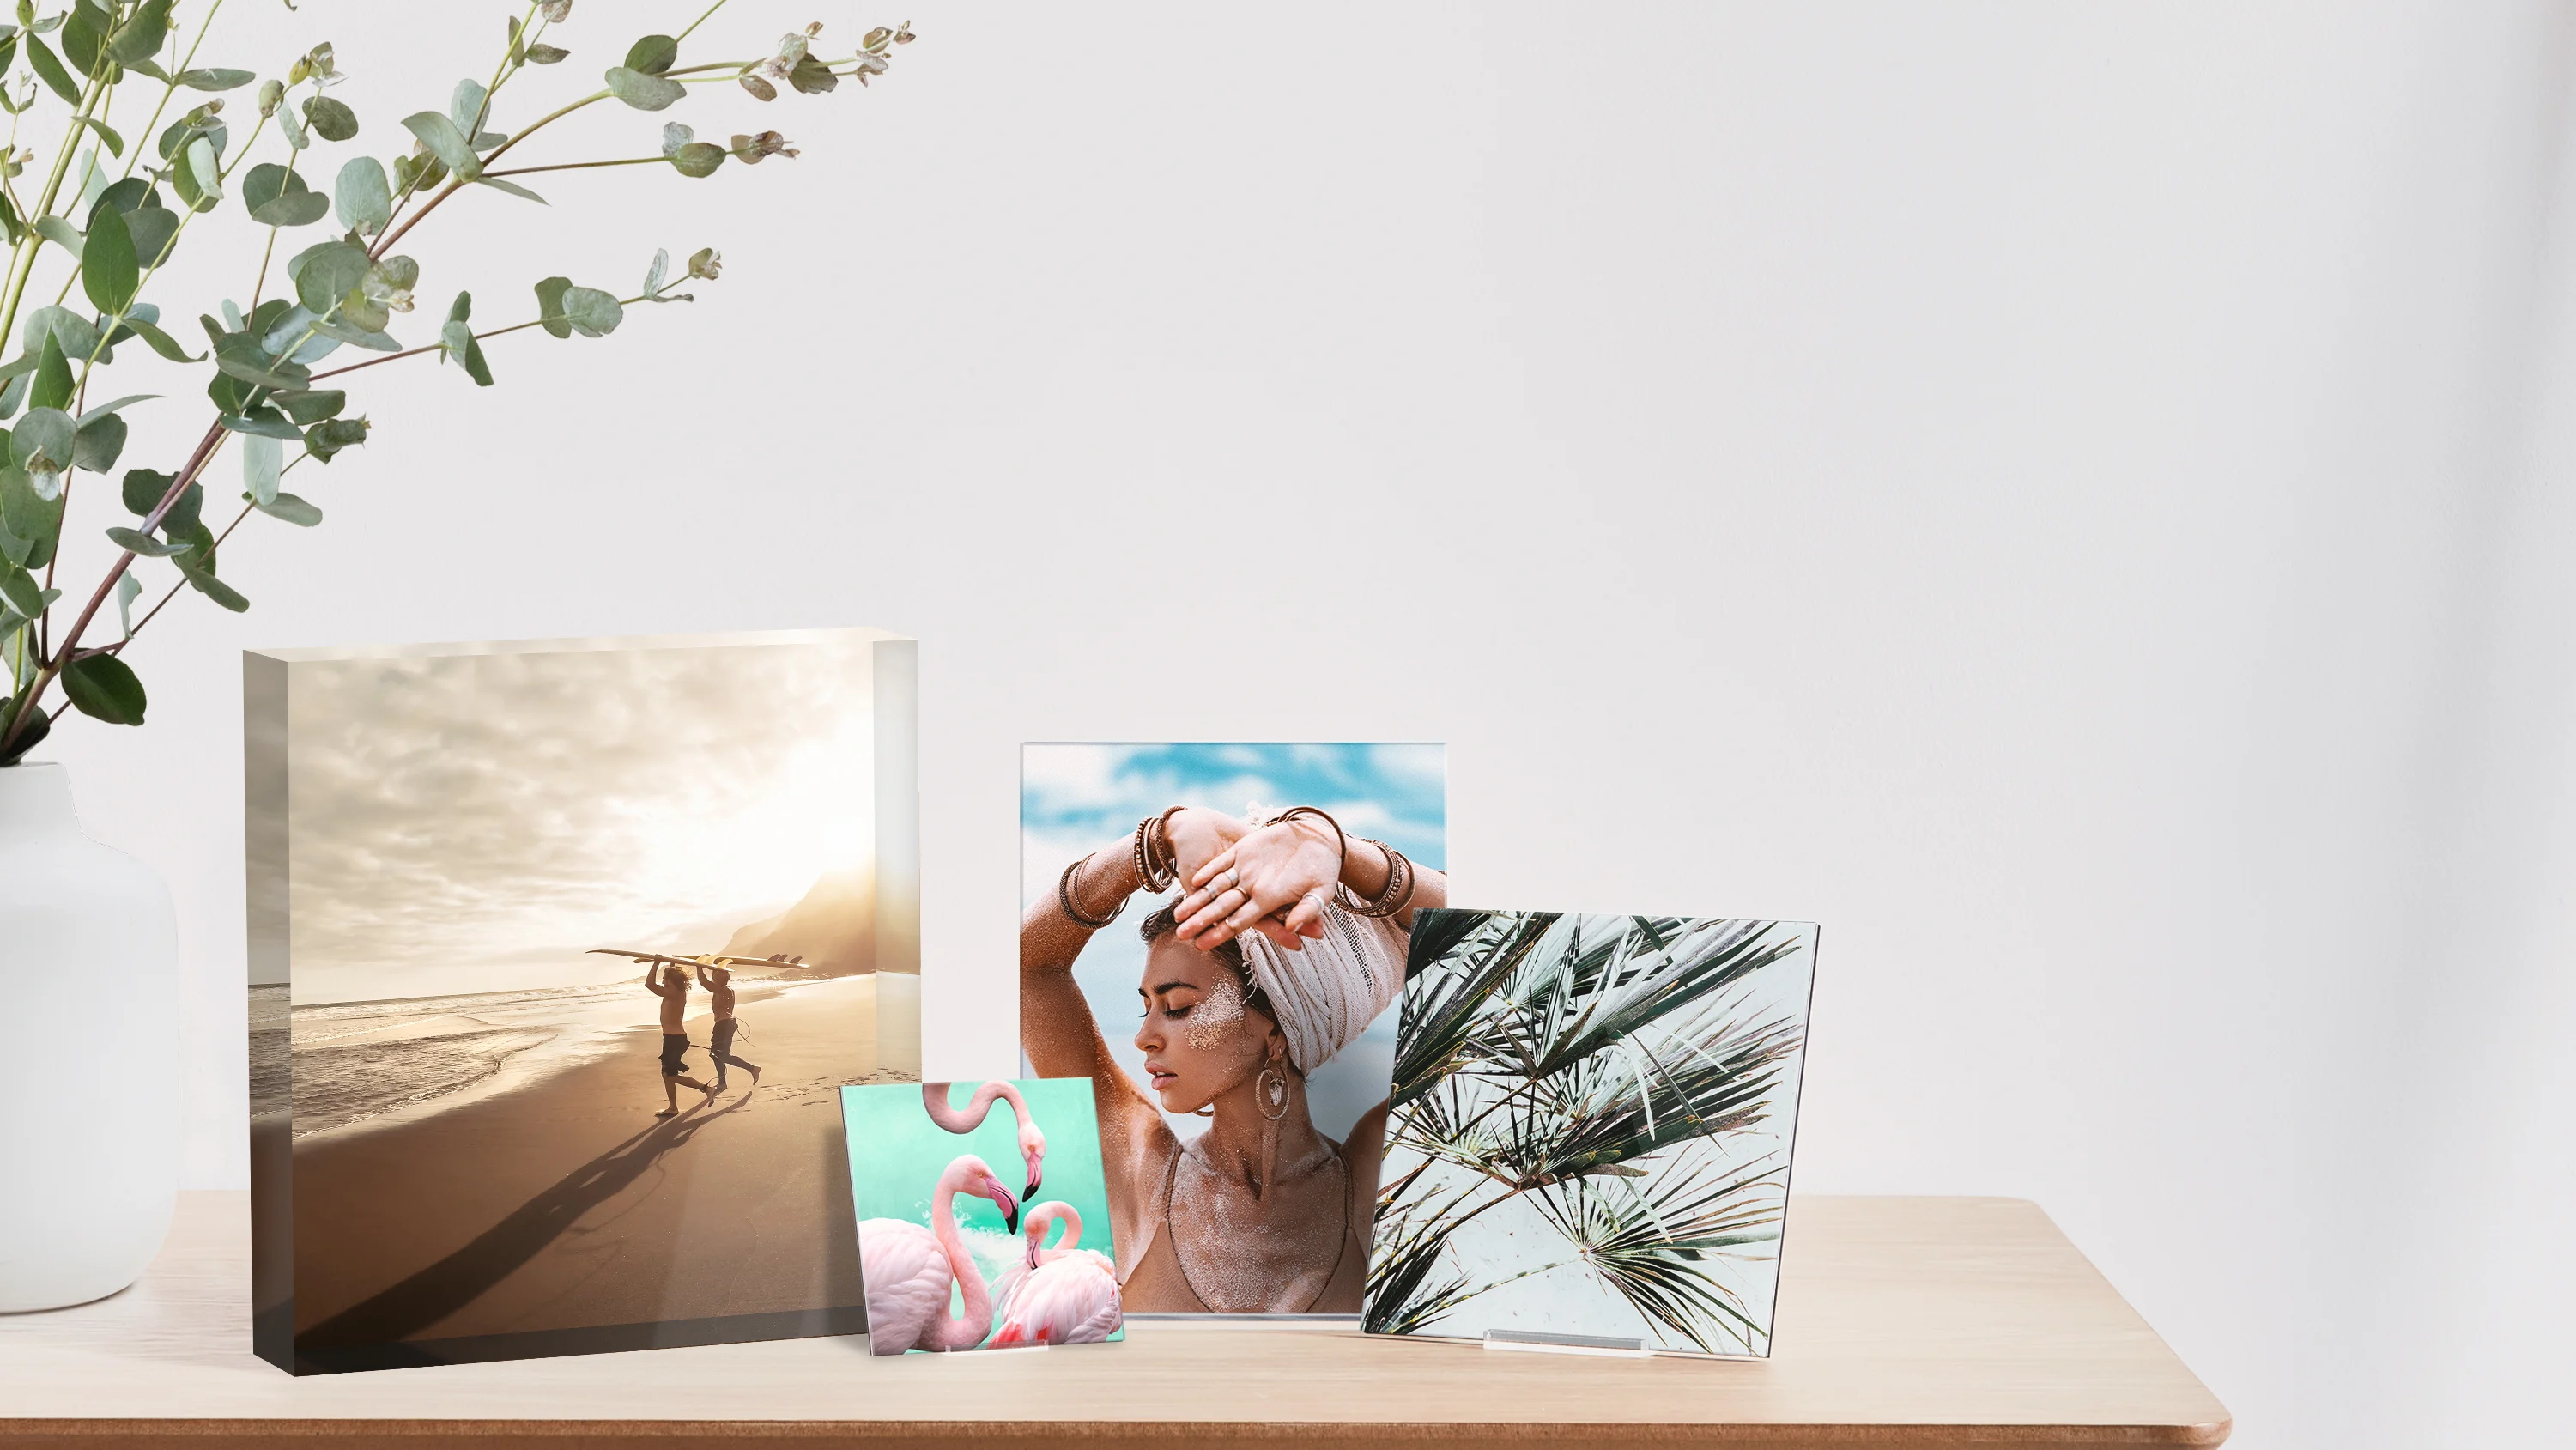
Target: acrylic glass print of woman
1272 940
1592 1118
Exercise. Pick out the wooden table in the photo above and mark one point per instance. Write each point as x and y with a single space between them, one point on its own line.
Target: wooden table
1903 1321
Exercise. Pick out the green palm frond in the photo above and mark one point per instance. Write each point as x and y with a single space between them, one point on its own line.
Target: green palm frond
1440 1011
1651 1245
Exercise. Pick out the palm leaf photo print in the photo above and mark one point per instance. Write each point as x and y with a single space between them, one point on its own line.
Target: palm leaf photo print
1590 1130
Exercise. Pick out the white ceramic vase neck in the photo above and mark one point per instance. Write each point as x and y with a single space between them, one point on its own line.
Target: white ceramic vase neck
89 965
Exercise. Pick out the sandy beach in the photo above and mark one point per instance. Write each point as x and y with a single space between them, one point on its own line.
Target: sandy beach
560 1203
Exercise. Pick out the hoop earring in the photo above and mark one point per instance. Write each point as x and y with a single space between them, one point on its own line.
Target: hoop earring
1273 1085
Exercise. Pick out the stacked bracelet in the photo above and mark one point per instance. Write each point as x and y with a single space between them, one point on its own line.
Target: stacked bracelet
1151 873
1341 842
1064 898
1394 898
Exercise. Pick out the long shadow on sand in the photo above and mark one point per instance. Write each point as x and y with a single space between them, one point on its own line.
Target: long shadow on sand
459 1279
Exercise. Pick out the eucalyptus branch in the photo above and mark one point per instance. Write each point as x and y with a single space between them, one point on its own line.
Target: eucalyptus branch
583 165
172 87
478 337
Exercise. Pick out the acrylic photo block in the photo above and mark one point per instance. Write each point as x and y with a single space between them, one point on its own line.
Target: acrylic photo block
1590 1132
560 952
983 1216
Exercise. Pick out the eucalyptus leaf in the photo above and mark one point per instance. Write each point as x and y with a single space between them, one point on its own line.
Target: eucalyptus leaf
109 274
162 342
29 515
643 92
42 442
294 129
128 589
592 313
698 158
75 334
308 408
260 423
365 201
53 388
22 592
543 54
445 142
262 458
97 445
323 440
203 580
331 120
217 79
292 509
140 37
653 275
653 54
371 340
107 134
204 171
326 273
124 195
153 229
512 187
550 306
143 490
280 198
465 107
49 67
137 542
119 406
104 687
61 233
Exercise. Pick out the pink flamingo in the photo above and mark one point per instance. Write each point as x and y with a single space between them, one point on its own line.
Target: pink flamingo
1060 1295
908 1270
934 1098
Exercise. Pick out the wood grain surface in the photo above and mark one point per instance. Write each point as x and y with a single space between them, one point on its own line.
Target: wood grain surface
1903 1321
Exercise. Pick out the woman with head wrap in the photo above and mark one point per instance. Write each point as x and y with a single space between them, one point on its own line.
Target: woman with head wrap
1288 939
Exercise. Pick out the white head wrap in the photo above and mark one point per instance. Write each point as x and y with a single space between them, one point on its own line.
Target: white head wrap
1326 995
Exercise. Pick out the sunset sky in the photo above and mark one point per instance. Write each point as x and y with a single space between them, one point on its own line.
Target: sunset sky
474 822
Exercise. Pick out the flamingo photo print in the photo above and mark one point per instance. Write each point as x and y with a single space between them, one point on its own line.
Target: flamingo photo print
983 1216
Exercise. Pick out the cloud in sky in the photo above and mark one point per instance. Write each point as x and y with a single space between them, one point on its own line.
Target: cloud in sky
473 822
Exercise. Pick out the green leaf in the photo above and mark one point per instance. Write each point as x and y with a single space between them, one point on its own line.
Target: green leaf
203 580
135 541
22 592
462 308
260 423
294 129
29 515
544 54
37 728
445 142
325 273
119 406
153 229
124 195
143 490
366 203
217 79
698 158
292 509
465 107
323 440
308 408
653 54
475 367
279 197
103 688
140 37
187 515
203 173
512 187
50 68
161 342
592 313
95 445
654 274
128 589
42 442
550 306
115 143
812 77
83 38
357 336
330 119
262 458
53 377
61 233
643 92
108 270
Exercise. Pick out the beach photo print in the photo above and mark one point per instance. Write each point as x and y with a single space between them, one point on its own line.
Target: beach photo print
983 1219
1591 1131
561 952
1213 938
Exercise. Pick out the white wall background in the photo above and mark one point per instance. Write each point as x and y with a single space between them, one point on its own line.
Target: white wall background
2071 498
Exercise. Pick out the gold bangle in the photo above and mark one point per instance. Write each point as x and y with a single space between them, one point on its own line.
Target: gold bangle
1064 898
1393 897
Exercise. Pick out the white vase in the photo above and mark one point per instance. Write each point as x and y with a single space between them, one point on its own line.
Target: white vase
89 977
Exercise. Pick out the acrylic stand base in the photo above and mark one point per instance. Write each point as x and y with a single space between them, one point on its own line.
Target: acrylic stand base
1533 1340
